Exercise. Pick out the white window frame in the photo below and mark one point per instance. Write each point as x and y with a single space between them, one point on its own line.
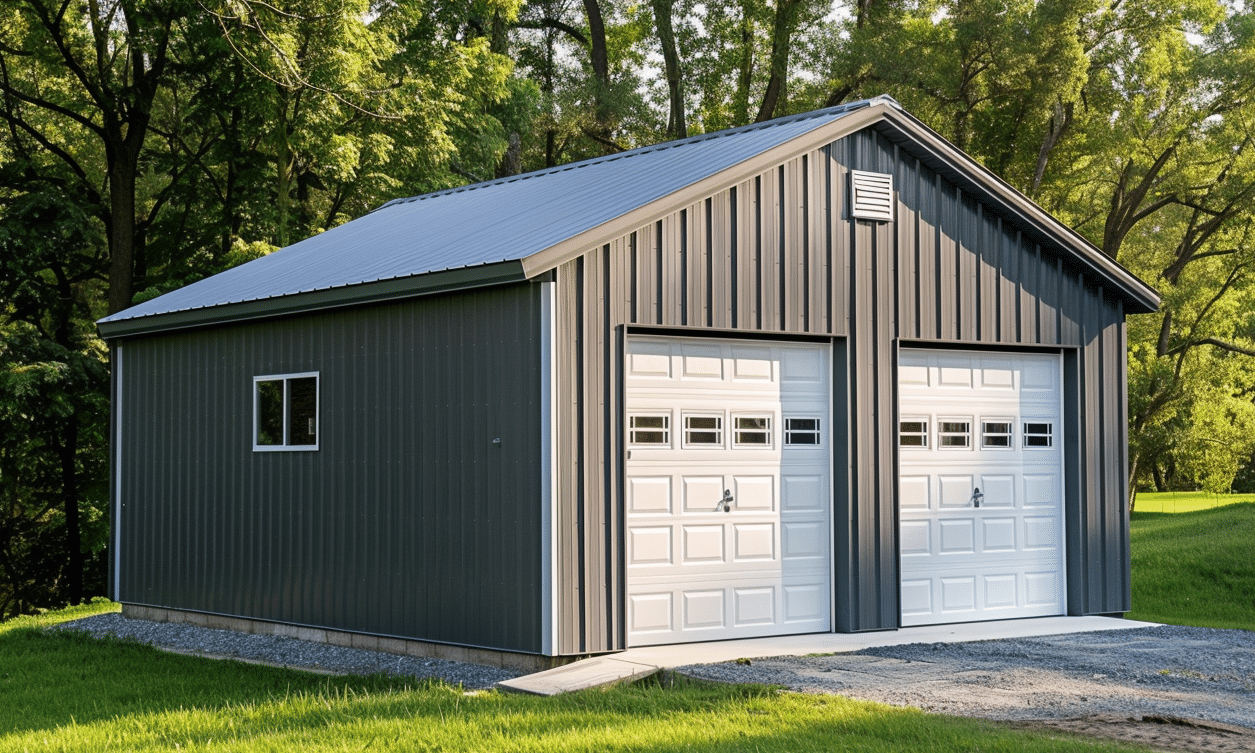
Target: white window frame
1050 435
1009 421
927 421
287 406
771 431
971 423
684 429
668 431
818 431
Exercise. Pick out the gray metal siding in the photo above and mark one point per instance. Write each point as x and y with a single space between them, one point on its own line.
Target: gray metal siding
407 521
778 254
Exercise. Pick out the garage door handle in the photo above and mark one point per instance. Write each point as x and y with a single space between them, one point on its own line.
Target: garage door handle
977 497
726 503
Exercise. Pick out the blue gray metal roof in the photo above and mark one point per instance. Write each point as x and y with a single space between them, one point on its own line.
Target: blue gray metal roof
496 231
502 220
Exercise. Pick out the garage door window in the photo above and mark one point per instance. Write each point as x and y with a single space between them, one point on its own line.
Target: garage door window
954 434
703 431
801 432
650 431
1038 434
995 434
752 431
913 432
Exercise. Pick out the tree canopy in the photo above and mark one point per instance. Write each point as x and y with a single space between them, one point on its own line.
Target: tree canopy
150 143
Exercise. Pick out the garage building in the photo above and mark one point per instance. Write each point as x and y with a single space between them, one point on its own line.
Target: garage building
823 373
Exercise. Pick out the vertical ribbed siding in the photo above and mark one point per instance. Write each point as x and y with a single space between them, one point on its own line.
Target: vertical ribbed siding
777 253
407 521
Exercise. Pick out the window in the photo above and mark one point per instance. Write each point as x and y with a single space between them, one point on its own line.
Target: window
285 412
954 434
1038 434
654 431
996 434
801 431
703 431
913 432
751 431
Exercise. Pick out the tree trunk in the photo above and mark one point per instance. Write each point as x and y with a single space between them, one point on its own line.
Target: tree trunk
745 74
781 42
600 61
121 230
69 490
676 126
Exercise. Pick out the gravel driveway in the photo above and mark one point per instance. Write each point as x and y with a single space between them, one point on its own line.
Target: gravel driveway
1120 683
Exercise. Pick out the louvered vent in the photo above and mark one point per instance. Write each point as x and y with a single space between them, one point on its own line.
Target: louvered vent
871 195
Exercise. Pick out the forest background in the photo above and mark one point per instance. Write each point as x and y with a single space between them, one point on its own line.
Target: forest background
149 143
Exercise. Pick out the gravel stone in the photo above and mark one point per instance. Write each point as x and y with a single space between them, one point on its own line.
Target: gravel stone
1167 670
286 651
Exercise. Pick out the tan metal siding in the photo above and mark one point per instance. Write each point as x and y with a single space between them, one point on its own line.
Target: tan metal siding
777 254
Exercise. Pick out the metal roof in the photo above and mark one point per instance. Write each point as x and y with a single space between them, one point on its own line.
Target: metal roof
496 231
502 220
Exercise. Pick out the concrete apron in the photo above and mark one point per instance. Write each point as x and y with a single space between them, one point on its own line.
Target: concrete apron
635 663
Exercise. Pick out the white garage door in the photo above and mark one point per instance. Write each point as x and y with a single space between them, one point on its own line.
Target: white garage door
727 490
980 486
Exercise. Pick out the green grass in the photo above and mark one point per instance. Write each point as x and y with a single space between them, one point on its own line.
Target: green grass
1186 501
68 692
1195 567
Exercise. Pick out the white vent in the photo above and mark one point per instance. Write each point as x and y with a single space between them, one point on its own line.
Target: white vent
871 195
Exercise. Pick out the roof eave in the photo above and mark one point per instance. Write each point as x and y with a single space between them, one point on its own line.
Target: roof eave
1140 297
318 300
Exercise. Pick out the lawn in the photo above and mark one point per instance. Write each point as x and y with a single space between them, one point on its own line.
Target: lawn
1186 501
1194 566
68 692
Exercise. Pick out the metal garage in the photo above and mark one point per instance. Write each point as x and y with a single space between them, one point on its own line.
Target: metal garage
820 373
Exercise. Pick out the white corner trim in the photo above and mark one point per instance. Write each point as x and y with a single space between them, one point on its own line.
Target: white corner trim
117 476
548 473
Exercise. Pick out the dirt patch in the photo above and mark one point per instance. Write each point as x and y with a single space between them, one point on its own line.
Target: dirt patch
1158 732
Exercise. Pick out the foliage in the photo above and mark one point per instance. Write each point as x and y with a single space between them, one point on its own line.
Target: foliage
150 143
66 691
1195 568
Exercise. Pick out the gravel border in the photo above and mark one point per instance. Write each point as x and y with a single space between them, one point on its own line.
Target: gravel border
285 651
1168 670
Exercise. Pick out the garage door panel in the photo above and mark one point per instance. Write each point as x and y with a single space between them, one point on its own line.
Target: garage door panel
999 591
649 545
806 602
754 493
753 542
999 490
702 493
956 490
754 606
1041 532
650 612
998 534
913 492
916 537
958 594
1003 558
803 493
956 536
649 495
704 609
725 521
703 544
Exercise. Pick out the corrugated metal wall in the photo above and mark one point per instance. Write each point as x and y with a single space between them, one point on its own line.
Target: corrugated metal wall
778 254
407 521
